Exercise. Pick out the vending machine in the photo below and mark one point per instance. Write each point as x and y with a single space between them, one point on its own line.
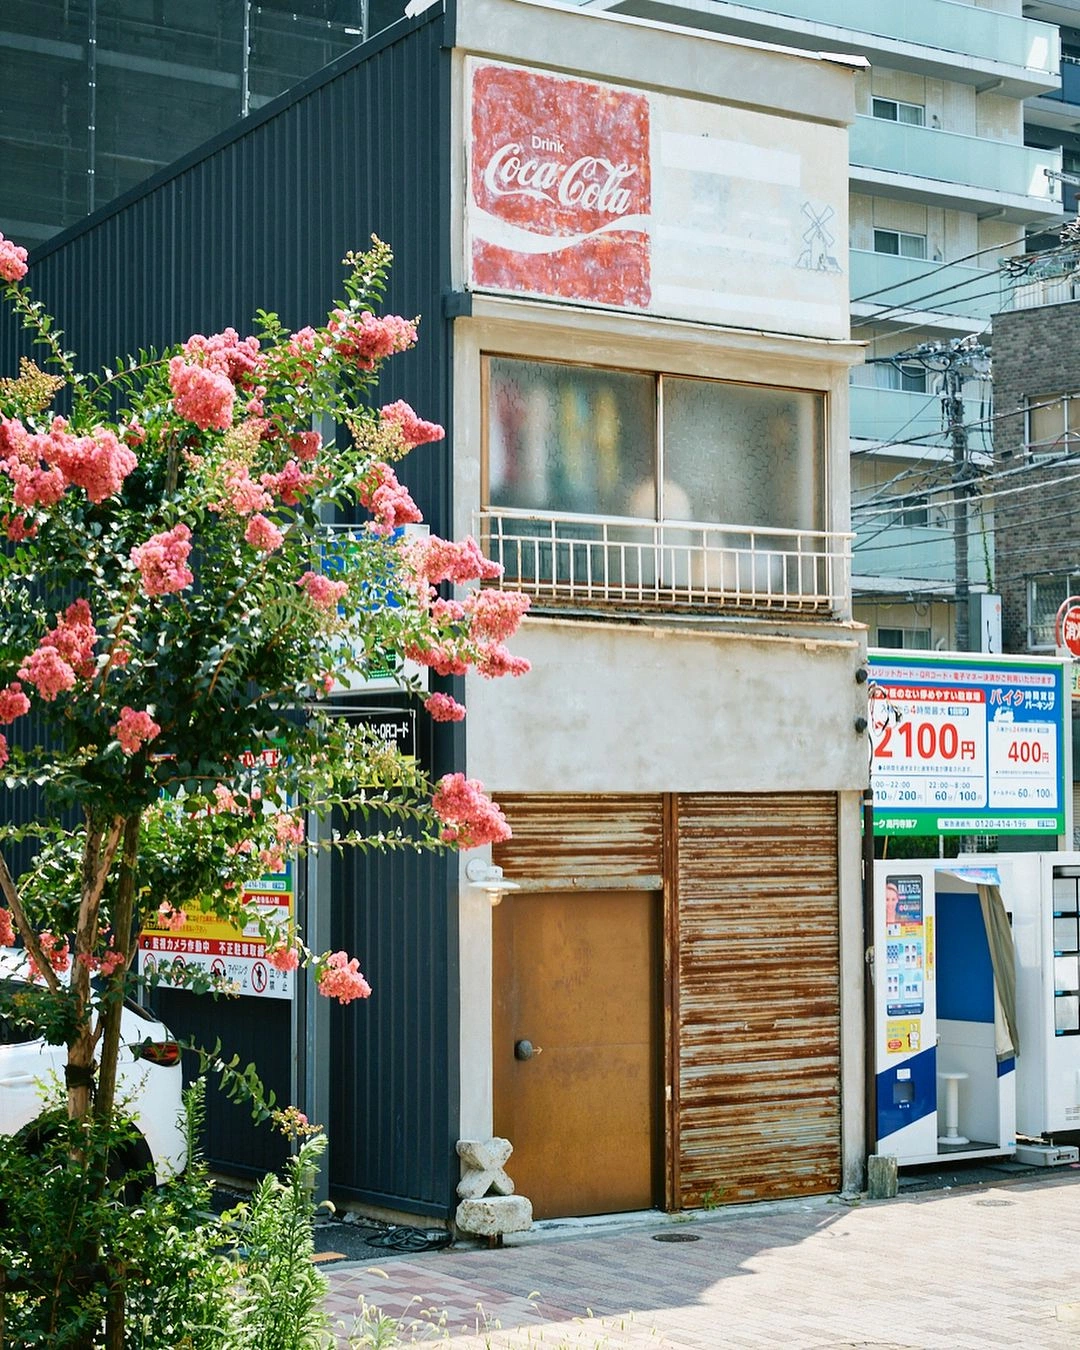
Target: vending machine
945 1055
1043 892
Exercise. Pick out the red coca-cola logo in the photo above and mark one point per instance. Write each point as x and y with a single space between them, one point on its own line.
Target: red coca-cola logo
560 187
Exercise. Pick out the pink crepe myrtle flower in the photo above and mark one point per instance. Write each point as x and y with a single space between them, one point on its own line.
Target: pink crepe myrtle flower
387 500
495 660
134 730
7 929
5 755
243 495
437 560
134 433
13 703
162 561
110 961
170 918
290 483
12 260
365 339
55 950
443 708
321 591
98 463
33 485
440 657
263 534
225 801
414 430
305 445
237 358
204 397
18 528
447 611
272 859
289 829
48 672
470 818
339 977
283 957
64 654
495 615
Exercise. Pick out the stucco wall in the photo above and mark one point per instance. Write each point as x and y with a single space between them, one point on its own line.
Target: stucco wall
615 708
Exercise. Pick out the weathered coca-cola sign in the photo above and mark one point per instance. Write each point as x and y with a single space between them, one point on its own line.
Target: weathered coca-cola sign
560 187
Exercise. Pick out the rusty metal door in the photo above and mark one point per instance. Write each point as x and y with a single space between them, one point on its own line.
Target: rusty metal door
576 1058
757 1106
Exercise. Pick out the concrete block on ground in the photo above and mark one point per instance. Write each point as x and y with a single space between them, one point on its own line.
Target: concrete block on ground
493 1215
882 1181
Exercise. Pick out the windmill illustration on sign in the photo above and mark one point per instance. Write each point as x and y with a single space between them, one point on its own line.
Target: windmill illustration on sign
817 254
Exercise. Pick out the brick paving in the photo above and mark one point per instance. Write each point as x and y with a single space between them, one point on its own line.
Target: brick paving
968 1269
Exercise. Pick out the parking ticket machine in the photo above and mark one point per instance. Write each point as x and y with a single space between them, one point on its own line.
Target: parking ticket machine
945 1060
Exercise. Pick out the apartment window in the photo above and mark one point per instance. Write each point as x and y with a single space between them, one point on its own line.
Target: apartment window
914 512
565 439
894 110
1046 595
908 376
905 639
900 243
1052 424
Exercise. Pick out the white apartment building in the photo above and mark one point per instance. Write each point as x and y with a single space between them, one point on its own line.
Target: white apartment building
950 173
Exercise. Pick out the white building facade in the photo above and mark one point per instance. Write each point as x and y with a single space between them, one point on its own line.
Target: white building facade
651 374
946 180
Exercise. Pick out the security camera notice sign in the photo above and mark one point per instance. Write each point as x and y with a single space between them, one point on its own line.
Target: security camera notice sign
968 745
235 956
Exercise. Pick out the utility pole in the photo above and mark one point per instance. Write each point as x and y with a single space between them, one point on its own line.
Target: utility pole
956 361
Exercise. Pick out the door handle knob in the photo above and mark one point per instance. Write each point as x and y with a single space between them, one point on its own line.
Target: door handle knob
526 1050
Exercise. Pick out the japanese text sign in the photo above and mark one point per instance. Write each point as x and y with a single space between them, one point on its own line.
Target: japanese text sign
967 746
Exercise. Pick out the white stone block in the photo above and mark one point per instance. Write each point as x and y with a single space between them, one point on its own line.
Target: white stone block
494 1215
484 1161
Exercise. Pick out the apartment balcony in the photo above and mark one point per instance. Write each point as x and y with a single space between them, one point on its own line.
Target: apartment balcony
884 416
1044 281
602 563
953 296
963 173
1058 108
922 552
937 38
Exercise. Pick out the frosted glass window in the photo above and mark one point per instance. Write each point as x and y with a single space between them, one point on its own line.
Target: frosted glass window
1066 973
1065 935
571 439
736 454
1067 1014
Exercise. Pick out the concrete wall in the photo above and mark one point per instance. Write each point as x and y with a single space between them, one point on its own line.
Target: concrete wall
614 708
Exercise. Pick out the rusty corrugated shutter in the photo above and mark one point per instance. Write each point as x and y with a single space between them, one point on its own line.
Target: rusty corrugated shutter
561 837
758 1018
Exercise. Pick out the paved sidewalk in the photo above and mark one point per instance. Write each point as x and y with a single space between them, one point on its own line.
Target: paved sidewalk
965 1269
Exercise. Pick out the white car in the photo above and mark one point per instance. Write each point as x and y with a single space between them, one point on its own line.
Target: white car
148 1084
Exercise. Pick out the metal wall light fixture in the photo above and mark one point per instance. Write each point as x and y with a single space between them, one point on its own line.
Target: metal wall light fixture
487 877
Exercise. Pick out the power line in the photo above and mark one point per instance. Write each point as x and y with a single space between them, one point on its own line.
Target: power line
1054 224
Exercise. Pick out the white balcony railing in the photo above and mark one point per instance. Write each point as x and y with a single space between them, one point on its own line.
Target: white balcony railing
604 561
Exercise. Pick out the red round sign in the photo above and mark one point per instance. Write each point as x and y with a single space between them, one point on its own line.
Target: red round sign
1068 626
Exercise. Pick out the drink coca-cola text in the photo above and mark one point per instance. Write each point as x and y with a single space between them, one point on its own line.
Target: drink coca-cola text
591 182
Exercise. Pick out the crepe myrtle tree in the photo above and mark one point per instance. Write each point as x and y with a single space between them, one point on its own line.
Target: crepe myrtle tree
171 606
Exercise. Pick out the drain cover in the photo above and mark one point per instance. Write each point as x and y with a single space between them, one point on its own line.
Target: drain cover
676 1237
994 1204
